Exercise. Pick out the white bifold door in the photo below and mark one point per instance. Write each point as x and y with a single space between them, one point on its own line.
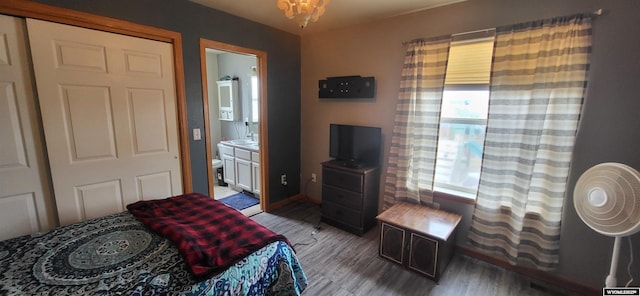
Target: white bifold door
26 205
108 106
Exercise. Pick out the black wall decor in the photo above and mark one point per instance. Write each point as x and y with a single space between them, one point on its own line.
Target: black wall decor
353 87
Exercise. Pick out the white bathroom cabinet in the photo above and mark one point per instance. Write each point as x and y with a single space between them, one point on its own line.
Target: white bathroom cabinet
241 167
255 172
228 101
228 164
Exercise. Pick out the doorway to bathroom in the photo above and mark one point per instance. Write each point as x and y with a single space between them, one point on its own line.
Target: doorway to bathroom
234 92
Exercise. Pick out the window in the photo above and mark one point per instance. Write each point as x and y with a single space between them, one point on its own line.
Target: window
463 118
254 94
254 99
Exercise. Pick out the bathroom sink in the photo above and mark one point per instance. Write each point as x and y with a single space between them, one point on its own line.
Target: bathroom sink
243 142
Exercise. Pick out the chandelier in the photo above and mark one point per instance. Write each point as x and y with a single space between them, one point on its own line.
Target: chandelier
303 10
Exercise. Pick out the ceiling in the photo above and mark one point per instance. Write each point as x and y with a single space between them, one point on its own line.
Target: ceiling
338 14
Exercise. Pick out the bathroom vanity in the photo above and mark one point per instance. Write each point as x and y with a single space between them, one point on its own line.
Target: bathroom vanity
241 164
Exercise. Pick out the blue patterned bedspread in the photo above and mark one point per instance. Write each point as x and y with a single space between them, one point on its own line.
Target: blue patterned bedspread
118 255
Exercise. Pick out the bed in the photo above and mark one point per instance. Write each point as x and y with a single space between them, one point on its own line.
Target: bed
121 254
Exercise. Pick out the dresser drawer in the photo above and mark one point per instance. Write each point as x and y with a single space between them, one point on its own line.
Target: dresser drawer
342 197
342 179
341 214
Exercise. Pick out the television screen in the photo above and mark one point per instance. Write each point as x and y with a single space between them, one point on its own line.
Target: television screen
356 146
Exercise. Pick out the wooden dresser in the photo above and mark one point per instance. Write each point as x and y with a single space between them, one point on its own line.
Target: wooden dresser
349 196
420 238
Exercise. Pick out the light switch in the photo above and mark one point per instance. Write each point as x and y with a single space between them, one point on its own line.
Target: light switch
196 134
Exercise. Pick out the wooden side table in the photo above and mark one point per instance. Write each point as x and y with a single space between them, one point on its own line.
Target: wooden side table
418 237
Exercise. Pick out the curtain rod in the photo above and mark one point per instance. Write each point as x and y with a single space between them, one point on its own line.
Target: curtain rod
597 12
473 32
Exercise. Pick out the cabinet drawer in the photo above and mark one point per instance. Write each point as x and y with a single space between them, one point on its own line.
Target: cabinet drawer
341 197
341 214
345 180
243 154
226 150
255 156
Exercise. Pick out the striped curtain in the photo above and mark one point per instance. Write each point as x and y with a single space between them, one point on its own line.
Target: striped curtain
538 83
412 156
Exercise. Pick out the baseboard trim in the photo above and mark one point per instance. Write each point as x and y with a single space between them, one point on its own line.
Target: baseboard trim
534 274
312 200
284 202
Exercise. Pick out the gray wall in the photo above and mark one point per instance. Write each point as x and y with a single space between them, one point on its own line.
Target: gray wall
194 21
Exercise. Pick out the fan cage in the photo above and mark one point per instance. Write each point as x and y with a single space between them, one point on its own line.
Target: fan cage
617 211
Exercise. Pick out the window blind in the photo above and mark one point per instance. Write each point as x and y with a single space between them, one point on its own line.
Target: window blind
469 62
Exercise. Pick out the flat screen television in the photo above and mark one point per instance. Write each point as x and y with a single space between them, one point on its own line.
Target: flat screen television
355 146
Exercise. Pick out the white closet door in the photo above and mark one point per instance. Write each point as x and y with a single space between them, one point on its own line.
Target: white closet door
108 105
25 200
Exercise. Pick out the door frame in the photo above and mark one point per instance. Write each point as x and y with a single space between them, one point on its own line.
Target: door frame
65 16
261 62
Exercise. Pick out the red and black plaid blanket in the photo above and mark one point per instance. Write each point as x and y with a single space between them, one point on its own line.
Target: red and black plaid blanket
210 235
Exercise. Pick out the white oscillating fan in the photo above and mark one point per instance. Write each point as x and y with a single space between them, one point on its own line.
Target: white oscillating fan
607 199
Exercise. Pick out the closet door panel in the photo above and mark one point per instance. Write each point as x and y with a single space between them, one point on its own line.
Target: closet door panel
108 105
25 200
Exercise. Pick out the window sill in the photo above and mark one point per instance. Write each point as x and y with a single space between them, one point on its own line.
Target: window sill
453 195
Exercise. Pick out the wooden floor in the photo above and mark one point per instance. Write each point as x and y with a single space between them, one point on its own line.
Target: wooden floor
340 263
